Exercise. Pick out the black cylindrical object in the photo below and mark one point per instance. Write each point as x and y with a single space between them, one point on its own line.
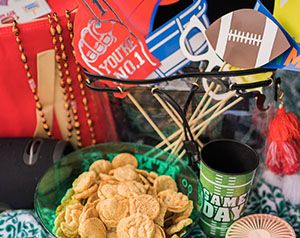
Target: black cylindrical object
23 161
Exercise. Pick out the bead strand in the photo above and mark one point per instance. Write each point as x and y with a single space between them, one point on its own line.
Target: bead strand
58 60
31 82
81 84
69 82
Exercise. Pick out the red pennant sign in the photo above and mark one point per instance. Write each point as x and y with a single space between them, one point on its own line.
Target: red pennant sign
105 45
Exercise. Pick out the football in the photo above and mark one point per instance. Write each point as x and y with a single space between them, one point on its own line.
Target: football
246 38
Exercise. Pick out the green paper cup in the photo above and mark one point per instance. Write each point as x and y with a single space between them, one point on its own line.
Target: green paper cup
227 171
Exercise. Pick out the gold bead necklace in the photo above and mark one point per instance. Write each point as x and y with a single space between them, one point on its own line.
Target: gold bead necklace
80 80
31 81
58 60
56 32
66 82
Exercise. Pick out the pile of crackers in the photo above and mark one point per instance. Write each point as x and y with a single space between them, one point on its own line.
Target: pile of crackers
117 200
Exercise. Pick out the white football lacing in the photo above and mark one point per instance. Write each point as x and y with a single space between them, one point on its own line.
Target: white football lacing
244 37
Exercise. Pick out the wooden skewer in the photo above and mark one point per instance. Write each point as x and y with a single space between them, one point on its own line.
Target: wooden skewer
168 110
193 122
204 110
207 93
202 101
221 103
175 145
195 129
196 119
194 115
178 123
200 117
178 132
148 118
208 101
203 128
179 141
170 138
205 124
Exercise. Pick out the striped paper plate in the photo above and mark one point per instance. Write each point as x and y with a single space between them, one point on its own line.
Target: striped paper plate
260 226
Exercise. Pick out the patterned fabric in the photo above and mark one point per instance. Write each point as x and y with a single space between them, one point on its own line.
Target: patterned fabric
263 199
20 224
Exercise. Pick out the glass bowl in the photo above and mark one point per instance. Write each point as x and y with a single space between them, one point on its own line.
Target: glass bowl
59 178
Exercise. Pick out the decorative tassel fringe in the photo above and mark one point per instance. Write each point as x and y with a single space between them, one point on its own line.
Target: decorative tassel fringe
284 126
283 152
283 157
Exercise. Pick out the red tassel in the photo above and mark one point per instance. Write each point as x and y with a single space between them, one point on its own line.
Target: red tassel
283 142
